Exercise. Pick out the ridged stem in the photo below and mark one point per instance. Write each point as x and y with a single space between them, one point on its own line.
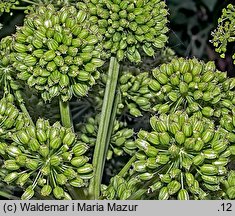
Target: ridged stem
65 114
111 124
101 141
127 166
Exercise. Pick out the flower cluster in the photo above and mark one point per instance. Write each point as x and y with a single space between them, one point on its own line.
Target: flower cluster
48 157
56 53
11 119
229 185
119 188
185 157
121 139
192 86
7 5
135 93
225 31
129 26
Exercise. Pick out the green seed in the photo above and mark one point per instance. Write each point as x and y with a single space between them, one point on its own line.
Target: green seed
46 190
164 194
58 192
23 178
209 169
79 161
173 187
11 177
183 195
87 168
28 194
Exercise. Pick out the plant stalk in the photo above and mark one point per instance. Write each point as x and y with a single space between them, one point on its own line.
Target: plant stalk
111 125
127 166
23 108
101 142
65 114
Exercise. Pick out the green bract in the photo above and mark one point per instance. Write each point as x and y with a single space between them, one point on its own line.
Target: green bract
56 53
225 31
183 152
129 26
46 156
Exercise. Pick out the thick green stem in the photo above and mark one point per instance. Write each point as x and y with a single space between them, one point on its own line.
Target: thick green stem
127 166
65 114
101 142
111 124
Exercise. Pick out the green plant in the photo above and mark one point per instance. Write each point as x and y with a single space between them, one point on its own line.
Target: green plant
137 122
224 33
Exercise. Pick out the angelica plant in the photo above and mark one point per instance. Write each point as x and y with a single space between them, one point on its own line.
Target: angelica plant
124 98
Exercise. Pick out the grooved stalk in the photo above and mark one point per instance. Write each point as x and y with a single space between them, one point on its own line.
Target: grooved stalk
101 142
65 114
112 119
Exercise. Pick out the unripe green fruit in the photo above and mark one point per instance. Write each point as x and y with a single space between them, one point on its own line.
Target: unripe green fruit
28 194
183 195
46 190
58 192
164 194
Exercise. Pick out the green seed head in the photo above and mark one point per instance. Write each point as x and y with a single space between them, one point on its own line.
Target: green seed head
51 154
56 42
